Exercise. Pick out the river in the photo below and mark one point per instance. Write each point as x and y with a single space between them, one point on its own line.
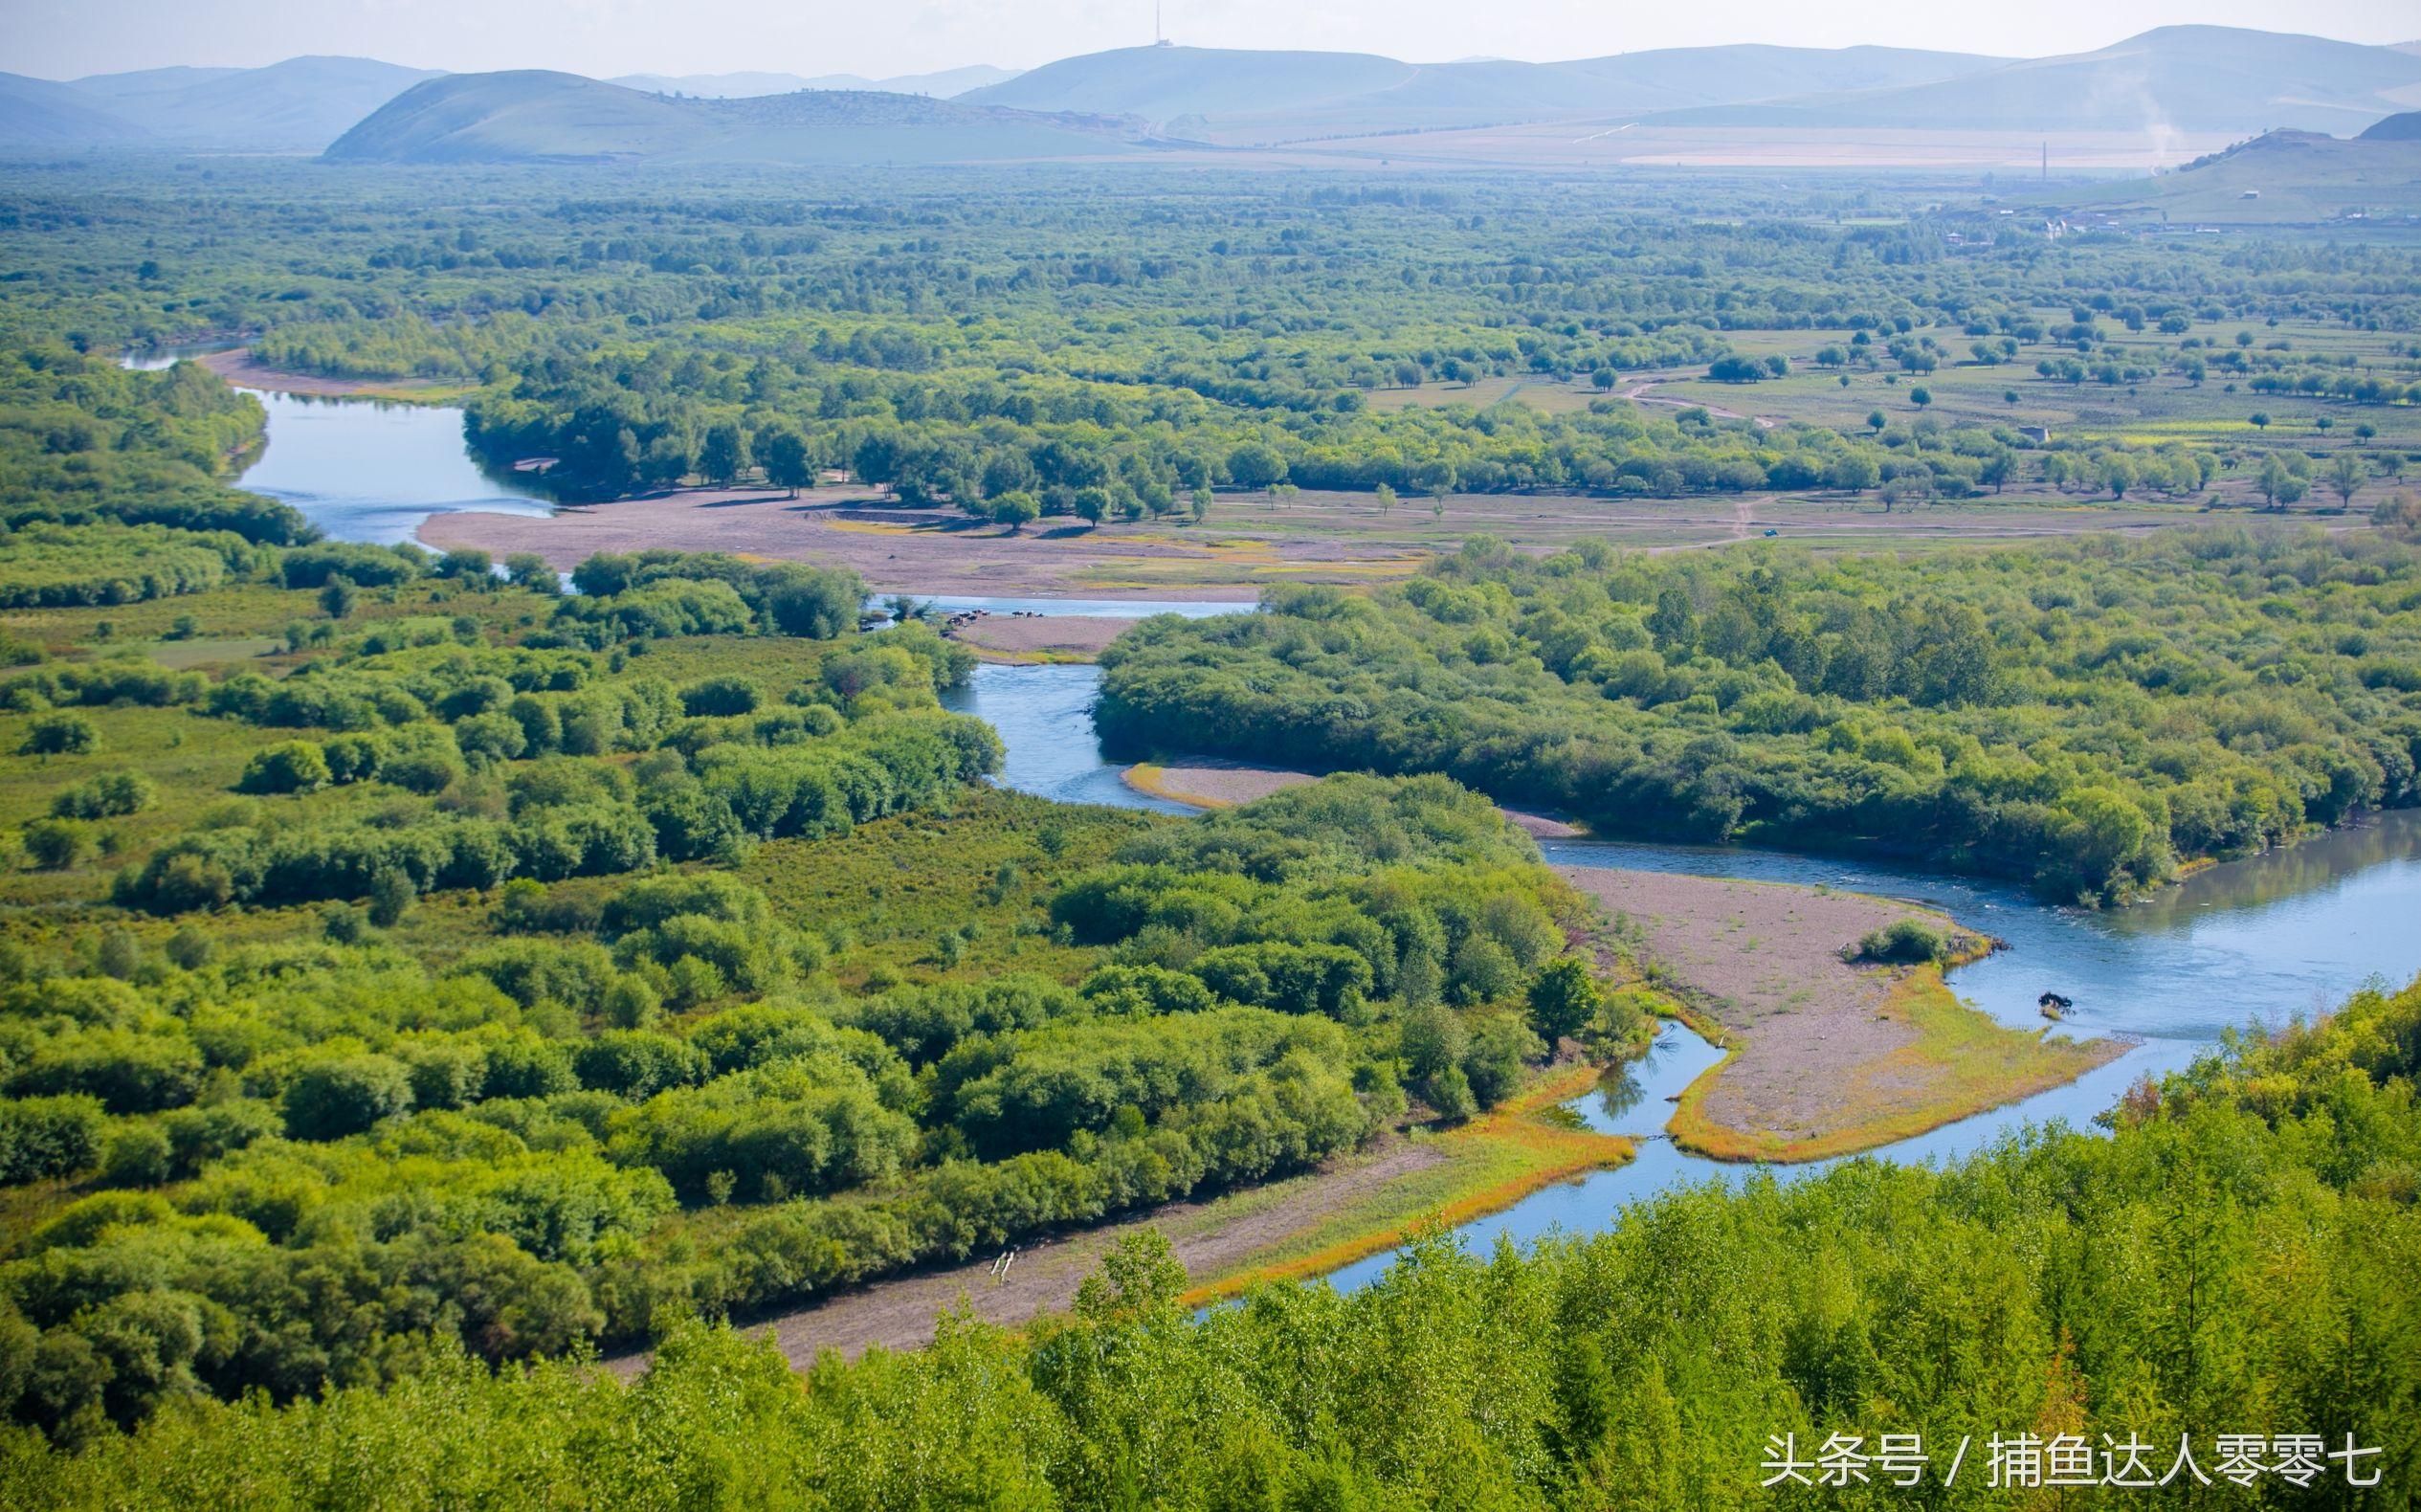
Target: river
2261 939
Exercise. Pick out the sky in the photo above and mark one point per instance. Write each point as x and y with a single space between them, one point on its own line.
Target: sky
67 39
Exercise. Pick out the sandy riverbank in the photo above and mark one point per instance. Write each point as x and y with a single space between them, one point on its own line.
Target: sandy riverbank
930 551
1826 1058
1038 637
237 367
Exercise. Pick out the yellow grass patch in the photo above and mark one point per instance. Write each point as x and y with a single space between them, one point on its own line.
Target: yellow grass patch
1492 1163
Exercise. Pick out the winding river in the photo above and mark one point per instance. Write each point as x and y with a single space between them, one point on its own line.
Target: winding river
2261 938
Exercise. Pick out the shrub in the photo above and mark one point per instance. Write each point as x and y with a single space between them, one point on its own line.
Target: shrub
59 845
45 1137
1904 942
107 796
345 1095
61 734
287 767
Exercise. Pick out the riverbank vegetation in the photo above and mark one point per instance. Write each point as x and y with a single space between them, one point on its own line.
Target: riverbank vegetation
2083 717
2058 1284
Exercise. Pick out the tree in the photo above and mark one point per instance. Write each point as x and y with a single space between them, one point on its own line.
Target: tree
2346 475
1921 397
2259 420
345 1095
1020 509
530 570
1199 505
392 897
723 455
1875 420
1564 999
1090 503
1255 465
788 462
1385 495
337 598
2279 483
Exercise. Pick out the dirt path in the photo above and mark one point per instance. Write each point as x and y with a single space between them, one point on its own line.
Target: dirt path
1637 393
1043 1277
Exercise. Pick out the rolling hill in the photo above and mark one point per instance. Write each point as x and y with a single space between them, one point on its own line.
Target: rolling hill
943 85
2284 175
538 117
2202 78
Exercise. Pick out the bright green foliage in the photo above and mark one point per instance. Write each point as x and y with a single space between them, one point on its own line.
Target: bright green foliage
2058 1282
2083 717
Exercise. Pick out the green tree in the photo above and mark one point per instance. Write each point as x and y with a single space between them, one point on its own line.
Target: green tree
722 455
1564 999
787 461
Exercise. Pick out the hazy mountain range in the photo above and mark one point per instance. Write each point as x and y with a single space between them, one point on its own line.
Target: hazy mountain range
2205 80
538 117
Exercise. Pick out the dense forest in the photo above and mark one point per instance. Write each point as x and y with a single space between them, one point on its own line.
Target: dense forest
2085 717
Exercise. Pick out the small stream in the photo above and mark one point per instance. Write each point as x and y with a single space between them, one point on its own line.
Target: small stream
2262 939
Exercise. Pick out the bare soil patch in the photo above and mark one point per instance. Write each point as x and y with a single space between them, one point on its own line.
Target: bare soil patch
1244 545
1038 637
238 367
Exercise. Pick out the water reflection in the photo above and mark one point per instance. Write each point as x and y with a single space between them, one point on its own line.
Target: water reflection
364 469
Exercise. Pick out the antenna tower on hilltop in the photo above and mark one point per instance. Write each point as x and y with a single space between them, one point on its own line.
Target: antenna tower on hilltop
1160 36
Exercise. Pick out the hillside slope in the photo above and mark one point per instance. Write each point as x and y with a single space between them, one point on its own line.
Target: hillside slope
2174 78
2279 176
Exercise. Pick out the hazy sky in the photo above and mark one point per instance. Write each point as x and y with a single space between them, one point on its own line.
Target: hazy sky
65 38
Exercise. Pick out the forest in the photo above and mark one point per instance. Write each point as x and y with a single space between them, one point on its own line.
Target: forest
2085 717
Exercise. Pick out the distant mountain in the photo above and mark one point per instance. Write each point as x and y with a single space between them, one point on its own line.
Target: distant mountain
942 85
2405 127
537 117
2202 78
1254 97
37 114
299 105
